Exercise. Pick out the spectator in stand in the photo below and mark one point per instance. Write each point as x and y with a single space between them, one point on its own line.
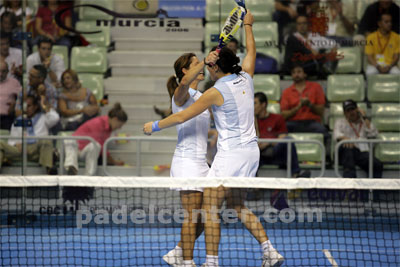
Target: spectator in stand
9 27
38 87
10 88
53 63
36 123
369 21
15 6
99 128
308 50
45 24
303 105
13 56
273 126
76 103
342 20
383 48
355 126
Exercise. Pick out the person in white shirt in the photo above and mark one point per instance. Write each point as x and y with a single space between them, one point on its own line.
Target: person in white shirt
355 126
52 62
36 123
13 56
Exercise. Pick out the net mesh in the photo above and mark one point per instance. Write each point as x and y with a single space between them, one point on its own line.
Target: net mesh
113 221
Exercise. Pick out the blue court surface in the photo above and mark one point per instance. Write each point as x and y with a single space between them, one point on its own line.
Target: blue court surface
144 246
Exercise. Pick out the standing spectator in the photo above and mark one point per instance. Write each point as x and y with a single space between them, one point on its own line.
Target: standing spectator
383 48
15 6
76 103
10 88
307 49
302 105
13 56
45 24
36 124
53 63
355 126
273 126
99 128
38 87
369 21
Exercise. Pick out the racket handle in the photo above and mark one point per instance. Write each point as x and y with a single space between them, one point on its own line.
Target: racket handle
218 49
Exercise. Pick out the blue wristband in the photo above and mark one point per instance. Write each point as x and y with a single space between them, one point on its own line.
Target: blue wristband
154 127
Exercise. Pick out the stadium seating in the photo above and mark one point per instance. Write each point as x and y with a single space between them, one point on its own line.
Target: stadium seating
89 13
218 10
351 62
272 52
383 88
265 34
89 59
386 116
94 82
342 87
60 50
103 38
308 152
262 10
268 84
388 152
336 112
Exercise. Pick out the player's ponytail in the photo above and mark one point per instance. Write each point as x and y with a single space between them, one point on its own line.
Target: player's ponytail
181 63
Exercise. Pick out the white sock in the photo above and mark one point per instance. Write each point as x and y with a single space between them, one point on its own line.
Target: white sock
179 251
267 246
211 260
188 263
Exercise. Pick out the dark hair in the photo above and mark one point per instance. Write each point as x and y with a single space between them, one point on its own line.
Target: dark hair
183 61
261 97
35 100
73 74
228 61
44 39
12 16
7 3
234 40
383 14
6 35
296 65
42 70
118 112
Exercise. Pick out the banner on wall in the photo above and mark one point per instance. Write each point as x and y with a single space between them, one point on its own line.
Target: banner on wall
184 8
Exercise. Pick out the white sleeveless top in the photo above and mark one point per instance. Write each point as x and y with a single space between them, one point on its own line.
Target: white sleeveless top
192 134
234 119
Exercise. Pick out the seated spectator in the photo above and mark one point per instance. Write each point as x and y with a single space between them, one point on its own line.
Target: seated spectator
38 87
15 6
341 21
355 126
369 21
45 24
383 48
273 126
10 88
36 123
100 129
13 56
76 103
8 27
302 105
52 62
308 50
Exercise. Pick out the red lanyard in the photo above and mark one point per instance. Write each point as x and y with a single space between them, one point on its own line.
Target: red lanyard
379 42
357 132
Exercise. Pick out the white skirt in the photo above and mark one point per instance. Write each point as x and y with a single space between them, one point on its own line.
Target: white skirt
187 167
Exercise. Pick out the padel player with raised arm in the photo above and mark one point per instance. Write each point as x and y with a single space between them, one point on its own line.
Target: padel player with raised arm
232 102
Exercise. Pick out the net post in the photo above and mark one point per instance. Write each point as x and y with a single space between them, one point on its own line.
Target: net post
138 159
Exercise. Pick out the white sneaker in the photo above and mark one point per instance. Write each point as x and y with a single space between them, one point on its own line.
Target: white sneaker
272 259
192 264
173 259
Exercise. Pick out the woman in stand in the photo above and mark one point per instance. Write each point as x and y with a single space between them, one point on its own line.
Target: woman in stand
191 149
232 102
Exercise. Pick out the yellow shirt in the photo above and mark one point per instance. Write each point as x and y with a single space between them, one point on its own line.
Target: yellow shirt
379 45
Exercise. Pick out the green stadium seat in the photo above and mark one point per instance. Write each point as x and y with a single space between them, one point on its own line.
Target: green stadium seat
89 13
268 84
89 59
211 34
351 63
383 88
262 10
388 152
4 132
336 112
218 10
274 108
60 50
308 152
386 117
265 34
94 82
345 86
272 52
102 38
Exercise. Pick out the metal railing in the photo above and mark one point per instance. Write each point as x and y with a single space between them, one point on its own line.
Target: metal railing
139 140
25 138
371 143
